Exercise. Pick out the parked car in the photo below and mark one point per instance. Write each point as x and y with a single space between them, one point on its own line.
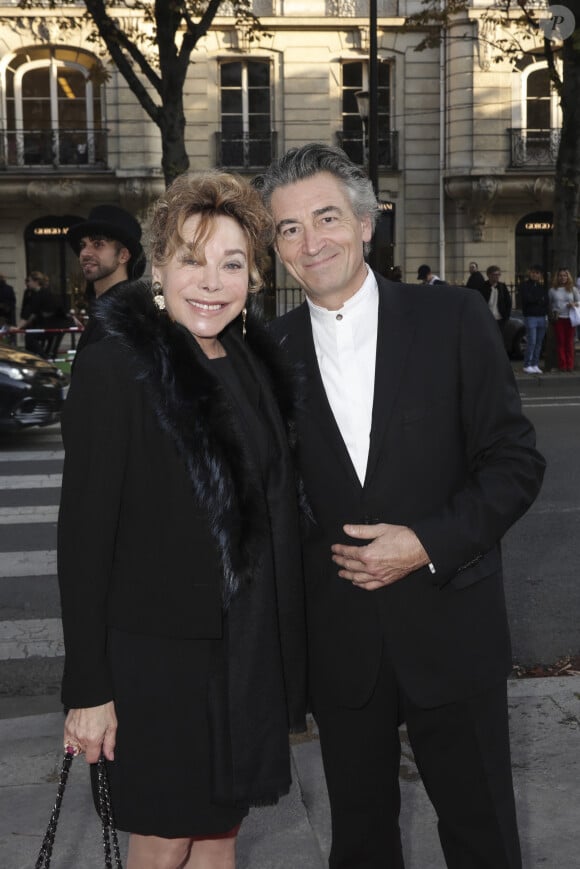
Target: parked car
514 336
32 390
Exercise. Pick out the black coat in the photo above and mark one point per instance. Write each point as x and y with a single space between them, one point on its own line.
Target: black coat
475 281
162 519
534 299
504 299
452 457
7 304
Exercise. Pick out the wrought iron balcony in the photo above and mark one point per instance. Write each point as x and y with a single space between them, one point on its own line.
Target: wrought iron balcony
533 148
245 150
354 144
57 148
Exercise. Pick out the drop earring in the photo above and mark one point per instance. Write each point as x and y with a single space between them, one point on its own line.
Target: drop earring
244 315
158 295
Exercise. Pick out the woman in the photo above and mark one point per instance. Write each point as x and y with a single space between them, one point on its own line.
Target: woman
178 539
563 296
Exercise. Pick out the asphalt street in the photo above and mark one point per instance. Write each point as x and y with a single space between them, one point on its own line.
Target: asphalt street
542 591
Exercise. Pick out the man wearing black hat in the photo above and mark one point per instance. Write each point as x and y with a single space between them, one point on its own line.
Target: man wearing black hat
109 249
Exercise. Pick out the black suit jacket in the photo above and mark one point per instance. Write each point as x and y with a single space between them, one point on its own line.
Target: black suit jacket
452 457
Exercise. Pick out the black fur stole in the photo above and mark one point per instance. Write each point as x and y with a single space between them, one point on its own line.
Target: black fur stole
192 408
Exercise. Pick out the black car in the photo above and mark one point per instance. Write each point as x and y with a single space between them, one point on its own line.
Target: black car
514 336
32 390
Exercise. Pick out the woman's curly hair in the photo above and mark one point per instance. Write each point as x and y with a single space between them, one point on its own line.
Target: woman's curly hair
211 195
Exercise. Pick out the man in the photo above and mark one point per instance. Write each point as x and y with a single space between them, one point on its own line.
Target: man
426 276
475 281
535 307
409 623
108 245
7 303
497 296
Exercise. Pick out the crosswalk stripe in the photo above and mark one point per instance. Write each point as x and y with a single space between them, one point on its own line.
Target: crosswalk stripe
33 456
31 481
40 562
28 515
31 637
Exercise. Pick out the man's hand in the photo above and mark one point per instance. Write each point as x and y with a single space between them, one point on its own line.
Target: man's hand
395 551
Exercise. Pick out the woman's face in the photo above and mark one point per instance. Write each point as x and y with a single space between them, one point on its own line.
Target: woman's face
562 277
32 284
207 292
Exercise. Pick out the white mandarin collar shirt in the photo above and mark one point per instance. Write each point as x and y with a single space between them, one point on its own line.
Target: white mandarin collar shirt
346 347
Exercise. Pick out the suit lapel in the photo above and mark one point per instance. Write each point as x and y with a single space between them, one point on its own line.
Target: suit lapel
395 337
318 407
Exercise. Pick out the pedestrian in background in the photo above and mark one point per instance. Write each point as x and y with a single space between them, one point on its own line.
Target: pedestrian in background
38 310
416 459
426 276
475 281
578 328
535 306
497 296
108 245
178 549
563 296
33 283
7 303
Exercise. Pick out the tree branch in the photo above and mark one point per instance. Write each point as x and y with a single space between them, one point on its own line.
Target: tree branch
116 40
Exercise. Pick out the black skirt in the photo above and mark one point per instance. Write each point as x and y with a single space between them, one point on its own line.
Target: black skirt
161 778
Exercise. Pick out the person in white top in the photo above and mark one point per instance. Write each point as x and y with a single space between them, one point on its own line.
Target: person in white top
563 297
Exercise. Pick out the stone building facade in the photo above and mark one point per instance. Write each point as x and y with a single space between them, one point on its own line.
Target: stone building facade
466 146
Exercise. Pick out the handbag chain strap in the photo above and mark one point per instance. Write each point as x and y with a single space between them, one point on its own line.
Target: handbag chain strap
45 854
110 839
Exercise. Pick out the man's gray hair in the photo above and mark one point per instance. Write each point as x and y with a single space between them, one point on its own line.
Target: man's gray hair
305 162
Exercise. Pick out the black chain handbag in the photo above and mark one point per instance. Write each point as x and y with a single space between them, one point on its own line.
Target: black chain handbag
110 840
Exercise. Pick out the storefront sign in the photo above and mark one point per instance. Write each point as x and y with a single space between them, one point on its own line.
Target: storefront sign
50 230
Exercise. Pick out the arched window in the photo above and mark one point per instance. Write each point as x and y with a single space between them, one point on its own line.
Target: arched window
537 119
538 100
246 139
52 109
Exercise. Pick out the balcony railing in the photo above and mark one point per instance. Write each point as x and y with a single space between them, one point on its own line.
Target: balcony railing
355 146
245 151
55 148
533 148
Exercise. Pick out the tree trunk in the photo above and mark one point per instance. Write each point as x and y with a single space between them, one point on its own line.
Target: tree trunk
567 180
172 128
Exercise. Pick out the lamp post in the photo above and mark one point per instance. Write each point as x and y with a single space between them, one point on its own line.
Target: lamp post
362 104
368 103
368 109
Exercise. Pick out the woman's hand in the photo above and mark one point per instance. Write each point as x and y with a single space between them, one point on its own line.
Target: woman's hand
92 730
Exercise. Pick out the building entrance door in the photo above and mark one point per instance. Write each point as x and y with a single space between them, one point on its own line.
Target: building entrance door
534 244
47 251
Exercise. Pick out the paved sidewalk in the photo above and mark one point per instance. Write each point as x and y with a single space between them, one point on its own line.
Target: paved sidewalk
545 716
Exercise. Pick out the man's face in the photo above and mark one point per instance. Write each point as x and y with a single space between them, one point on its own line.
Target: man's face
320 239
472 267
494 276
103 260
535 275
